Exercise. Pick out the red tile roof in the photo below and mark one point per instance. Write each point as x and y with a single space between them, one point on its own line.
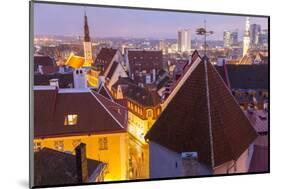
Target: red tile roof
105 92
104 58
203 116
96 114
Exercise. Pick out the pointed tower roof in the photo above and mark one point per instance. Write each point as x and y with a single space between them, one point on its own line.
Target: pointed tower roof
86 28
203 117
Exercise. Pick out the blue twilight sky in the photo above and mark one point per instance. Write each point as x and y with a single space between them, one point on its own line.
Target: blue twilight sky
54 19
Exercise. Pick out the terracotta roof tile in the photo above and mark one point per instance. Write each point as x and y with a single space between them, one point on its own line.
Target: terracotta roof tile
51 107
104 58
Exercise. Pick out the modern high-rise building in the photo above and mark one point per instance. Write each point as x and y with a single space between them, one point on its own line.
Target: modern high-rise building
227 39
255 30
87 44
230 38
246 39
263 38
184 40
162 46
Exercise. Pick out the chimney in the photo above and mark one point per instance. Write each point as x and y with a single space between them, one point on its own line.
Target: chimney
81 163
79 78
40 69
54 82
61 69
153 75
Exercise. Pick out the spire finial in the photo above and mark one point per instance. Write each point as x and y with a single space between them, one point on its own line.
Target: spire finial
203 31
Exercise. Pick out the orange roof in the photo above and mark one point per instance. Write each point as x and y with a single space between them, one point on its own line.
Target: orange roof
75 61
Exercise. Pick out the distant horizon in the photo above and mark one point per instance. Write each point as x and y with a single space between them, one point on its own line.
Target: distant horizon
105 22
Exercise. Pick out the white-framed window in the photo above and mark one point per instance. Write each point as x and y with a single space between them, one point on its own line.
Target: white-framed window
103 143
149 113
59 145
71 119
36 146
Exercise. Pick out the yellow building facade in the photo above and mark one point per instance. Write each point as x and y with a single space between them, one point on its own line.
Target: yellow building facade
111 149
141 119
93 78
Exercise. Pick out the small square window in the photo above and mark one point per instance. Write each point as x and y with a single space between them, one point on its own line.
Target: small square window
71 119
59 145
103 143
36 146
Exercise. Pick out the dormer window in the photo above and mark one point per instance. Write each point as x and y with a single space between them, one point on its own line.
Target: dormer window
71 119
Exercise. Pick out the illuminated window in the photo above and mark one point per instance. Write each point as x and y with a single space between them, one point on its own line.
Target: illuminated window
71 119
36 146
149 113
59 145
158 111
103 144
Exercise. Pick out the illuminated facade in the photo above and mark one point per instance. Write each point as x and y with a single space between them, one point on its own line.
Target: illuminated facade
143 106
141 118
74 116
104 61
93 78
109 148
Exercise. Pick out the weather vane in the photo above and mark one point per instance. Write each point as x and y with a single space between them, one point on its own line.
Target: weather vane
203 31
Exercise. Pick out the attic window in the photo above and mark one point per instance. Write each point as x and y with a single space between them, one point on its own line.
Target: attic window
71 119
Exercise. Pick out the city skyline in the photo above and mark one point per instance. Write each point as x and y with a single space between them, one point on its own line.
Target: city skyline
65 20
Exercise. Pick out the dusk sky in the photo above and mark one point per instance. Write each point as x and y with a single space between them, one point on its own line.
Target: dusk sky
53 19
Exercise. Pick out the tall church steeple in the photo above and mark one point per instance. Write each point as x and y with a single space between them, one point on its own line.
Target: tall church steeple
246 39
87 43
86 28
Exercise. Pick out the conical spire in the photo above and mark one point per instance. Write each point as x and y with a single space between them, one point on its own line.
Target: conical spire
86 28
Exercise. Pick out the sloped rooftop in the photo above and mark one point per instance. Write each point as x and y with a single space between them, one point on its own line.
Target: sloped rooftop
202 116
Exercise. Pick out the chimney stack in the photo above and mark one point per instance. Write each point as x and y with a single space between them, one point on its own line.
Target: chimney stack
81 163
79 78
54 82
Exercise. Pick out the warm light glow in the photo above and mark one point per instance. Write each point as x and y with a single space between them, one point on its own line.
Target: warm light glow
75 61
71 119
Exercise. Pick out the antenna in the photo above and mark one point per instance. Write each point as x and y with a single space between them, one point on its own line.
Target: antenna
203 31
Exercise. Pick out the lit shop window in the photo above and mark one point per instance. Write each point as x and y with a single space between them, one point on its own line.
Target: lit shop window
71 119
149 113
103 144
158 111
36 146
59 145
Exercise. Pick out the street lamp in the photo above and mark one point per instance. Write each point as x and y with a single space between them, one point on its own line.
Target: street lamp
203 31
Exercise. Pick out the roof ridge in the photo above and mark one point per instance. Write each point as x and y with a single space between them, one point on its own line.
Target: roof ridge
230 93
209 112
182 81
108 111
121 106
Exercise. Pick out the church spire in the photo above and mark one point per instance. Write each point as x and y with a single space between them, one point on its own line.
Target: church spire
86 28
